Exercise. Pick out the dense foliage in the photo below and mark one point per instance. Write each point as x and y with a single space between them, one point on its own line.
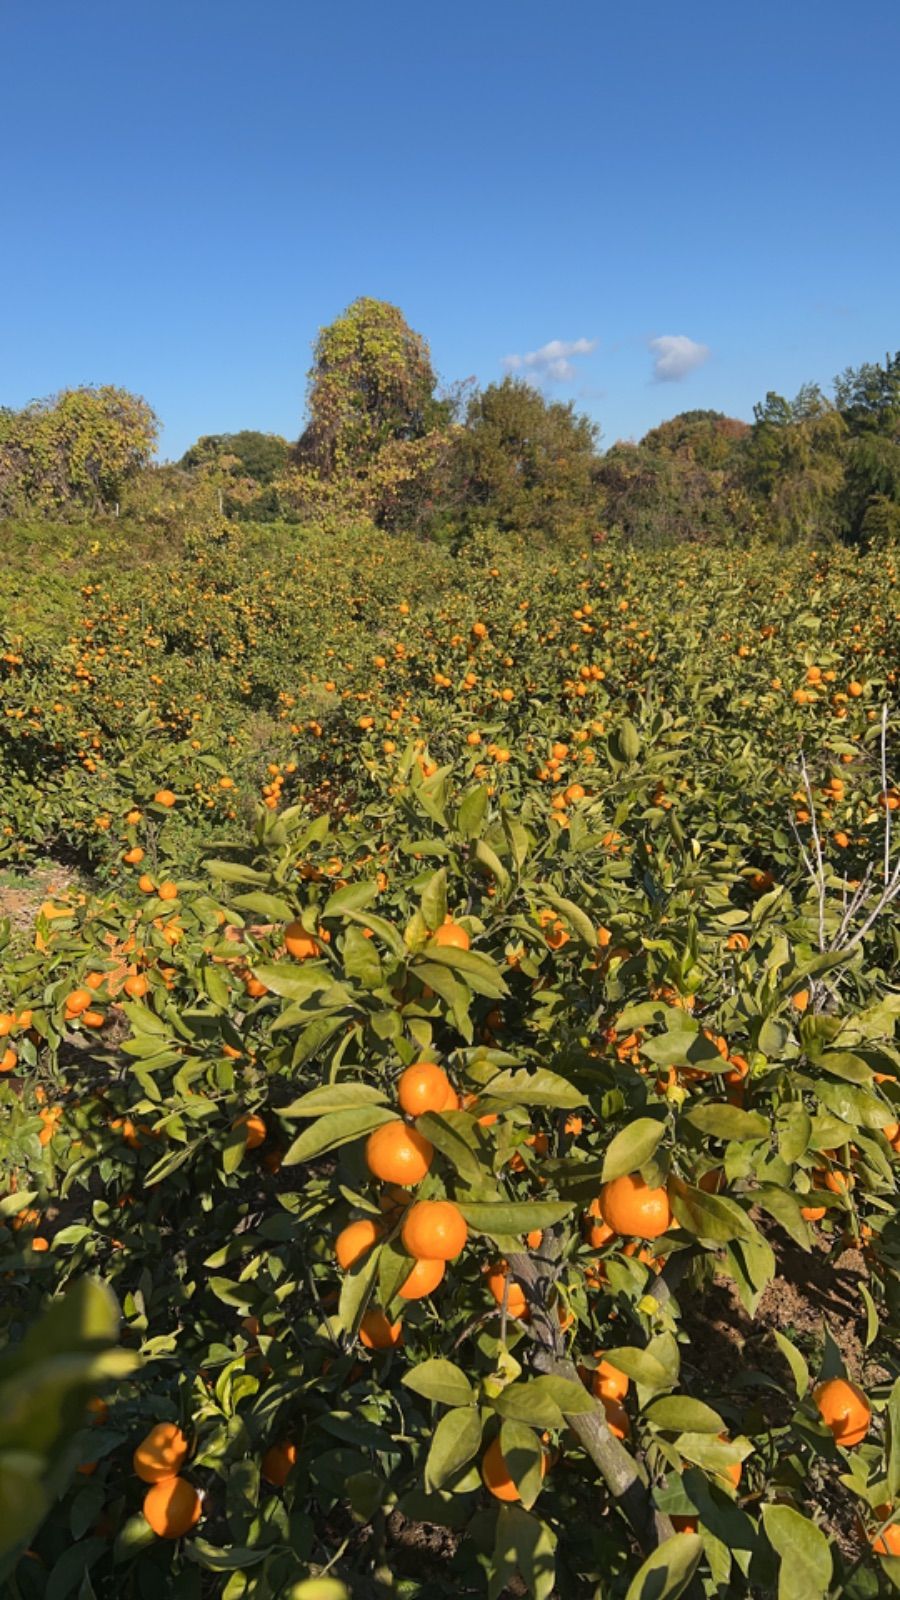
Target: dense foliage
384 445
550 889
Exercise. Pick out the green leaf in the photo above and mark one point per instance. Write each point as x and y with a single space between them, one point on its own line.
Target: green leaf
488 858
317 1589
332 1097
454 1134
795 1361
502 1219
722 1121
667 1572
855 1106
352 897
266 905
442 1381
642 1366
632 1147
356 1290
478 971
684 1047
294 982
578 920
523 1454
230 872
893 1441
806 1560
785 1208
627 740
678 1413
456 1440
540 1088
524 1545
434 899
334 1129
708 1216
361 959
471 814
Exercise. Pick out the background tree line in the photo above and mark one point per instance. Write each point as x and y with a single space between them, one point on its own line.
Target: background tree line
384 444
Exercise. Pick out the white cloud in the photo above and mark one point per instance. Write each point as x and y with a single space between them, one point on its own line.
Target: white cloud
675 355
553 361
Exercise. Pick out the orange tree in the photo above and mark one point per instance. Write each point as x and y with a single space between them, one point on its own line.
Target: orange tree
417 1122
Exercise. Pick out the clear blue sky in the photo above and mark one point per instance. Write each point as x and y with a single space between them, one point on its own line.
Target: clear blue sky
192 187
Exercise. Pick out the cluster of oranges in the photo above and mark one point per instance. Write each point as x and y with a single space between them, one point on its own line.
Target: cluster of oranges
172 1505
431 1232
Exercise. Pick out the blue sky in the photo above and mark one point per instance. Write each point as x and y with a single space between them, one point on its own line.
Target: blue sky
193 187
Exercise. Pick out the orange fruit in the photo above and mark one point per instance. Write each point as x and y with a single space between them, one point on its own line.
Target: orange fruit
168 890
396 1153
298 943
844 1409
353 1242
172 1507
255 1129
136 985
277 1463
685 1523
434 1230
164 797
608 1383
160 1453
78 1001
888 1542
133 856
617 1419
424 1279
496 1475
516 1303
596 1232
423 1087
377 1333
630 1207
8 1059
451 936
146 884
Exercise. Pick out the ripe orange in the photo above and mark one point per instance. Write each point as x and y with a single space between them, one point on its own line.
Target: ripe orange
277 1463
377 1333
133 856
256 1129
451 936
172 1507
168 890
8 1059
160 1453
496 1475
434 1230
423 1087
146 884
353 1242
608 1383
424 1279
78 1001
136 985
516 1303
888 1542
298 943
164 797
630 1207
596 1232
396 1153
844 1409
617 1419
